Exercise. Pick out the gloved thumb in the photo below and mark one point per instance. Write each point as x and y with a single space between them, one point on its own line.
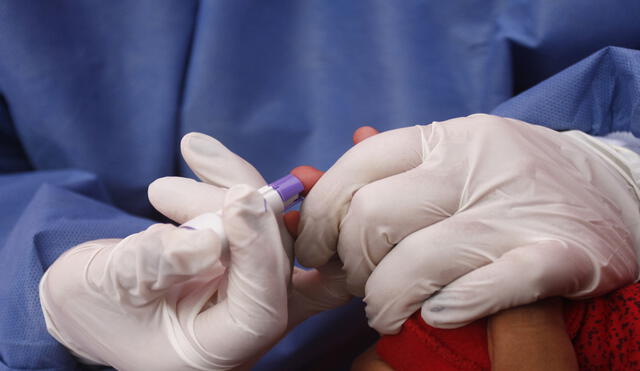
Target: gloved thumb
255 302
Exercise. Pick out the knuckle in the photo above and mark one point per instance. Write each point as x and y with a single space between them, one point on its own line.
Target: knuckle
368 206
540 266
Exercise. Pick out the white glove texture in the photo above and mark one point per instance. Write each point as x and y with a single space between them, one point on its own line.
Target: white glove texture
147 302
161 299
466 217
182 199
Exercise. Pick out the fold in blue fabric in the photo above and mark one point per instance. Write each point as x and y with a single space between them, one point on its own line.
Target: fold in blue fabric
95 96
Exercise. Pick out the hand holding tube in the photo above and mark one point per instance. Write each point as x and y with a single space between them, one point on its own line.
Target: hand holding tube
146 302
165 290
181 199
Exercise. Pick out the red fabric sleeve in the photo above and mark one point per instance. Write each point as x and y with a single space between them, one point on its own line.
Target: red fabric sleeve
605 332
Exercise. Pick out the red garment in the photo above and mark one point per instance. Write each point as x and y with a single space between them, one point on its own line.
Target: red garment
605 332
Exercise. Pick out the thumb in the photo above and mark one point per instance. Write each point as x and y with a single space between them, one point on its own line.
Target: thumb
254 310
259 267
521 276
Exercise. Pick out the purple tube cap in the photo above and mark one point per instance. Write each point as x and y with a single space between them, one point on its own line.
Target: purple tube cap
287 187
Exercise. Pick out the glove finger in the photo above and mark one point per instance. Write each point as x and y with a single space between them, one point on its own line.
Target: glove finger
213 163
258 259
378 157
143 266
422 263
182 199
384 212
521 276
316 290
255 309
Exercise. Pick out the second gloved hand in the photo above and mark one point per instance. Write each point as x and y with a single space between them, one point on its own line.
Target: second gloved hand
470 216
147 302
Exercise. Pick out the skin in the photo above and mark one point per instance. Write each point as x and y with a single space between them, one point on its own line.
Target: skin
309 175
531 337
370 361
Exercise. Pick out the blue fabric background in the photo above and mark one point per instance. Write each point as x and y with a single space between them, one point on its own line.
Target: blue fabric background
95 96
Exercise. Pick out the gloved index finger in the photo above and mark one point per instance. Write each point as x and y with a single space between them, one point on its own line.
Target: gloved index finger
253 310
378 157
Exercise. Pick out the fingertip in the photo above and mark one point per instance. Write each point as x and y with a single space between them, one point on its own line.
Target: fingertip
384 328
200 143
363 133
153 189
163 192
308 175
291 221
185 138
168 183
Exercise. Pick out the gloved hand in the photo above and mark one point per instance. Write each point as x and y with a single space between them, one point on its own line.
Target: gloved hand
145 302
182 199
471 216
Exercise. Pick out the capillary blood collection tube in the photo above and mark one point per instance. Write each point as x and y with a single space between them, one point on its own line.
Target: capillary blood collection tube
280 196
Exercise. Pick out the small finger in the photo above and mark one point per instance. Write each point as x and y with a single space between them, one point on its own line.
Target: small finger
363 133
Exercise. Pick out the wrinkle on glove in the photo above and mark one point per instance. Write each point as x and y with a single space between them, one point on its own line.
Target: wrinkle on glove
164 290
605 332
110 87
470 216
54 208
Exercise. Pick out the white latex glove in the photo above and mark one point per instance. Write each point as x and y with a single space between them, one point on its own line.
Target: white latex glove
470 216
182 199
145 302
